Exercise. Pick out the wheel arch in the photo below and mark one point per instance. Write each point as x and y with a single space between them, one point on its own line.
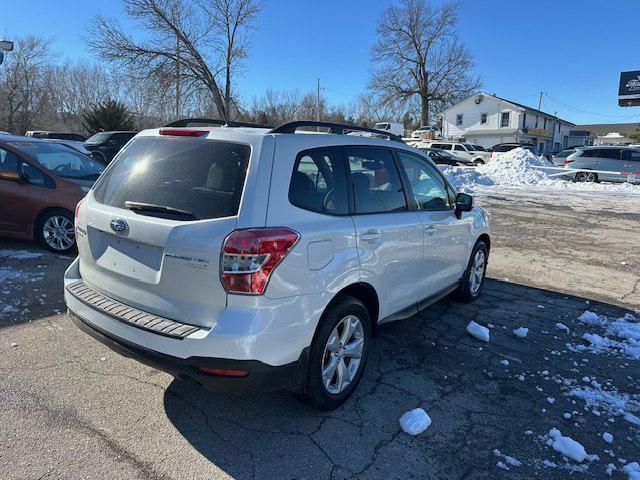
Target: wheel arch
364 292
484 237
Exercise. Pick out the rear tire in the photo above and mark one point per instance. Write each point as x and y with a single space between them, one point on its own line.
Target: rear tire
338 354
473 278
477 162
55 231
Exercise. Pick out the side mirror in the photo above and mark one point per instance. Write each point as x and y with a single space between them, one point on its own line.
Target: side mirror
10 175
464 203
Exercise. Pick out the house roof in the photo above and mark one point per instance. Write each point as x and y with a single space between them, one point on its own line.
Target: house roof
601 129
519 105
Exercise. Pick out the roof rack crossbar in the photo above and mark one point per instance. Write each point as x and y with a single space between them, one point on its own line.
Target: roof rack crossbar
336 128
216 122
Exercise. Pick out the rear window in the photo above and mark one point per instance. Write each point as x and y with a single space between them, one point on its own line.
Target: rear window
98 138
503 148
203 178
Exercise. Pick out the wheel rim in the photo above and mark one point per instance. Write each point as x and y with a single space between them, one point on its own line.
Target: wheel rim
477 272
590 177
342 354
58 232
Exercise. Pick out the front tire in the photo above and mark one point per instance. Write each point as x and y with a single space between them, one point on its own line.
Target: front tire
338 354
587 177
477 162
472 281
56 232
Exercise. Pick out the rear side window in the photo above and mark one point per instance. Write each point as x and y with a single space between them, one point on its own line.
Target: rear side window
587 153
374 180
318 182
459 148
202 178
633 155
609 153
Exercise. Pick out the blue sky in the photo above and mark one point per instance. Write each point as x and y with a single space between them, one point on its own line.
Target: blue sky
573 50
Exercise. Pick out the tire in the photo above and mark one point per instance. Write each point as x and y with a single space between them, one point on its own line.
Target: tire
471 285
325 348
587 177
477 162
55 231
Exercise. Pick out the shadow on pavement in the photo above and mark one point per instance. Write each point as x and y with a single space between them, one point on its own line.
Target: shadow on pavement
477 403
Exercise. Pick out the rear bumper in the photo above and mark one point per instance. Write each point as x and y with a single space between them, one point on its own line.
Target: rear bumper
259 377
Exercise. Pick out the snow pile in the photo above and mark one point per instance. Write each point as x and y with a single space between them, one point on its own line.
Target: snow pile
610 401
415 421
521 332
622 335
478 331
567 446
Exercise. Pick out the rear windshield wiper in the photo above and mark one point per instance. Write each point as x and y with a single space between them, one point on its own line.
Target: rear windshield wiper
150 207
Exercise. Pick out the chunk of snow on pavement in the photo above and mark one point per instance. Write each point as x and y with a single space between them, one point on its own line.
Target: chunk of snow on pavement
622 336
521 378
590 318
631 418
551 400
607 437
478 331
567 415
415 421
521 332
504 362
562 326
567 446
514 462
632 470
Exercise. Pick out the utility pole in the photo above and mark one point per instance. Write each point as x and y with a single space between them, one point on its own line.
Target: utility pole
177 77
540 100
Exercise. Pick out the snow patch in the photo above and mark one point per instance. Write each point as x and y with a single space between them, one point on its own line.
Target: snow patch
521 332
18 254
567 446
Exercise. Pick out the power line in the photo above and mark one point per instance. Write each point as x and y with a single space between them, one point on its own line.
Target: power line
587 111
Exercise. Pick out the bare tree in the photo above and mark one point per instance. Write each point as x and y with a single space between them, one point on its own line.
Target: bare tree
419 57
25 84
195 40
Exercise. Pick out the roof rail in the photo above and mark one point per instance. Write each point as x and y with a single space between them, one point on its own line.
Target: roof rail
336 128
216 122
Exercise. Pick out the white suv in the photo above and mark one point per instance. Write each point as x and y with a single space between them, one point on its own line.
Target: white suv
463 150
251 259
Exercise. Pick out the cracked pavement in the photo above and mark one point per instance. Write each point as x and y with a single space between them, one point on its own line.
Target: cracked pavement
71 408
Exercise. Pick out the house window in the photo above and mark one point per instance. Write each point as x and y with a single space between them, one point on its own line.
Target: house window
545 124
536 121
483 118
504 119
459 119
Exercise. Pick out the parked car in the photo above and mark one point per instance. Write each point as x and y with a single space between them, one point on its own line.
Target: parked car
623 162
77 146
559 158
394 128
105 145
442 157
57 135
426 131
501 148
477 148
463 150
40 184
197 256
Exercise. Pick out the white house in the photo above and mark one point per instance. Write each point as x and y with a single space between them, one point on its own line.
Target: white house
486 120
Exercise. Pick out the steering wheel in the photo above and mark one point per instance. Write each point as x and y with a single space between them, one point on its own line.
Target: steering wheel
329 197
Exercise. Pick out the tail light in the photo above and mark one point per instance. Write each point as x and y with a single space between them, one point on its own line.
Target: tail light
76 214
249 256
568 160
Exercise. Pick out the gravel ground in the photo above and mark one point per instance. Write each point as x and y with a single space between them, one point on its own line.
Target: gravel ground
71 408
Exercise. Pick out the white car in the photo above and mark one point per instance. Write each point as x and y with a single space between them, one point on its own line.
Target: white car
426 131
390 127
252 259
463 150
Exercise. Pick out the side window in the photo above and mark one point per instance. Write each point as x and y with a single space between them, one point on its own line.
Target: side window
632 155
318 182
483 118
374 180
8 160
429 190
459 148
588 153
504 119
613 153
459 119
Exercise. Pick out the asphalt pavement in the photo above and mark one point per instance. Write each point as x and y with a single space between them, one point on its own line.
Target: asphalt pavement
71 408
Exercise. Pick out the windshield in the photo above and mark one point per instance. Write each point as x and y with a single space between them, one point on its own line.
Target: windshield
479 148
203 178
443 153
470 147
99 137
61 160
381 126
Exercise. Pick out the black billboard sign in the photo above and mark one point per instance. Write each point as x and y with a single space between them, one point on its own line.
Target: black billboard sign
629 90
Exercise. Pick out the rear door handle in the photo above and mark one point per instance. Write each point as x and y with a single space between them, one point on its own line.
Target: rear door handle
371 235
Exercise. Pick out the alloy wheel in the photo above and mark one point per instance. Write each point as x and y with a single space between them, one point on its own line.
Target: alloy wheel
58 232
342 354
477 272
